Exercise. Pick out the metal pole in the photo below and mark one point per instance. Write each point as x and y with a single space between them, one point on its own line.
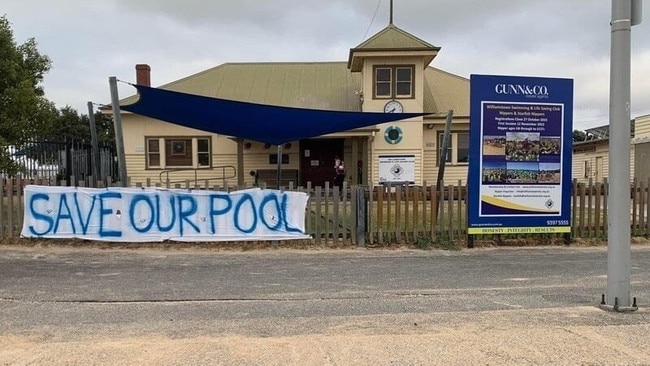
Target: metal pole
93 142
119 137
618 240
279 164
240 162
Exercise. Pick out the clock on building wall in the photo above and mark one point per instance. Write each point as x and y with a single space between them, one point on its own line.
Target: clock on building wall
393 106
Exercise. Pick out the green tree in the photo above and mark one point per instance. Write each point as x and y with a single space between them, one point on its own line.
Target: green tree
69 125
104 128
24 110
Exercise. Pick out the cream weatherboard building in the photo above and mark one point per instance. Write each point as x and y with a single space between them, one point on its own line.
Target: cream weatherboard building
389 71
591 157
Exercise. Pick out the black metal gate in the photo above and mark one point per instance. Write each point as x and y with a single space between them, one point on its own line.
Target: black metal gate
58 161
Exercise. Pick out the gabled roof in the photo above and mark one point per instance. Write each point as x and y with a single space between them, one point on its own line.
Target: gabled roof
315 85
444 91
391 39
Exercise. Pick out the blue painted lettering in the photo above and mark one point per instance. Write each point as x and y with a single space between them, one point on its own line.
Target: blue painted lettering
277 217
214 212
238 207
126 214
39 216
183 215
107 211
133 209
288 228
172 220
63 202
84 225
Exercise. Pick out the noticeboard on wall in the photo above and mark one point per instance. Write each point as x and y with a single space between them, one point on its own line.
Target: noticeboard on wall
520 154
396 169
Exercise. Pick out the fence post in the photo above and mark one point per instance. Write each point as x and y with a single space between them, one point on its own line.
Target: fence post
10 208
2 194
361 216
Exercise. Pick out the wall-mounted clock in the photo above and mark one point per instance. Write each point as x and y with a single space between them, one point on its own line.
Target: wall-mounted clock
393 106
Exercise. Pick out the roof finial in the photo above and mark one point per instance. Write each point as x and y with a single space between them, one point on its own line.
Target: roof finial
391 12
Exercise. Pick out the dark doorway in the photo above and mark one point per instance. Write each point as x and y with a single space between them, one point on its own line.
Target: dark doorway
317 160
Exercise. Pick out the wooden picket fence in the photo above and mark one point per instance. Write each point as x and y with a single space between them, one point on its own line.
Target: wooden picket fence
386 215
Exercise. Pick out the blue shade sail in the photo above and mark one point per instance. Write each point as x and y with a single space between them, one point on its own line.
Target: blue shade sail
258 122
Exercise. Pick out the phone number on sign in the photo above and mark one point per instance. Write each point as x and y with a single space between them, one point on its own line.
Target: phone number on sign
557 222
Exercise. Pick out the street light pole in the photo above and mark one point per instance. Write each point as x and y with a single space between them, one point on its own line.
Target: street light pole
624 15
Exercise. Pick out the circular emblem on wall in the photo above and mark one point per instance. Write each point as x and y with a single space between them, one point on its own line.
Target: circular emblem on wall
393 135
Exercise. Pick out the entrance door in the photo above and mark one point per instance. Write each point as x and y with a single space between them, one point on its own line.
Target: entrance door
317 160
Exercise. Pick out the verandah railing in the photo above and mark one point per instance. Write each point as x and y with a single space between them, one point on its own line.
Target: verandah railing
400 214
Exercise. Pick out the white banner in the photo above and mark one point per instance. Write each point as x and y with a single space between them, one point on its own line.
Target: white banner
152 214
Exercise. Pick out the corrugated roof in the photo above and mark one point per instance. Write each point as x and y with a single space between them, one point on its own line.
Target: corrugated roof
394 38
315 85
391 39
444 91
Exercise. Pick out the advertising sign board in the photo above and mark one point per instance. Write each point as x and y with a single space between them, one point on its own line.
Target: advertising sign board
520 154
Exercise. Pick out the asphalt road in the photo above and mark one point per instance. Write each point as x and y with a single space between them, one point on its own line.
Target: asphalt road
59 295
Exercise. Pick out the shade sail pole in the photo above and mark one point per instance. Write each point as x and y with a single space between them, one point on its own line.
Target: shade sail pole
279 165
94 158
119 136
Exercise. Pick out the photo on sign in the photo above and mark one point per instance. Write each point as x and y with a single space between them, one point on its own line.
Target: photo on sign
494 145
522 146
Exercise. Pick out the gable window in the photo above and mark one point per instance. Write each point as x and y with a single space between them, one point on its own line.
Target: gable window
458 149
177 152
394 81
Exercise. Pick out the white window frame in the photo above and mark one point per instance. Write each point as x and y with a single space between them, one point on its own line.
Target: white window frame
454 151
393 81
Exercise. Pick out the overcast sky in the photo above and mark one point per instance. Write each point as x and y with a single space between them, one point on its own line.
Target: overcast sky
88 41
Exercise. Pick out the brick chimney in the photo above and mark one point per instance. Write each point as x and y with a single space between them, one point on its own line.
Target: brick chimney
143 74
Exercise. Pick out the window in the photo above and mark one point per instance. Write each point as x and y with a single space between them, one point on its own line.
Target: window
394 81
458 149
203 152
462 147
153 153
273 158
383 82
178 152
